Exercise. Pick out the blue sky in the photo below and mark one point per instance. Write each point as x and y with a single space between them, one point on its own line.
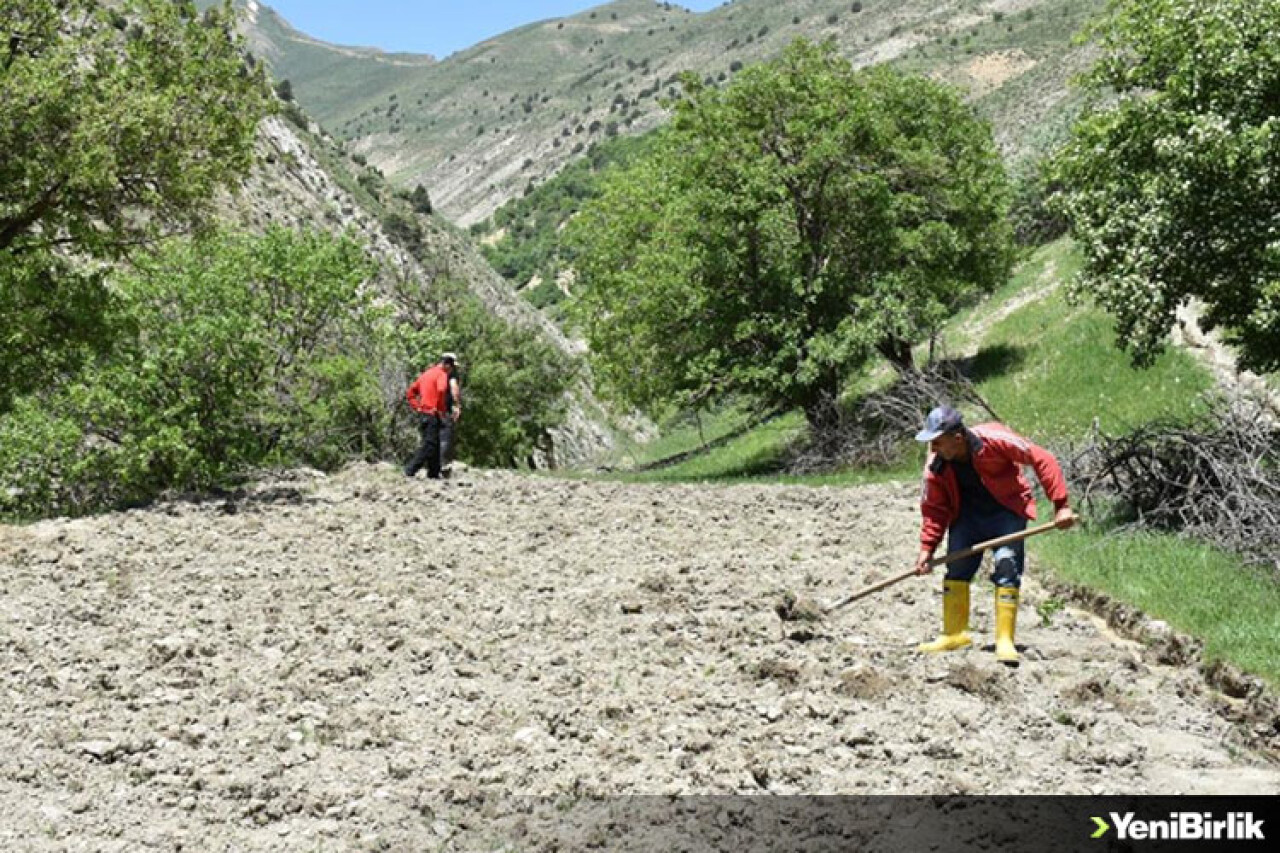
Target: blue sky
438 27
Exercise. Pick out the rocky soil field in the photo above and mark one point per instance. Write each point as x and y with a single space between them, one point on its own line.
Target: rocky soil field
366 662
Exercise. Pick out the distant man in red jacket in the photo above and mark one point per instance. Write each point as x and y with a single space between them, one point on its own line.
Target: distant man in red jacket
974 490
437 398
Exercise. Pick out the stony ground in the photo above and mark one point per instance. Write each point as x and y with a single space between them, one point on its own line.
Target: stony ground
365 662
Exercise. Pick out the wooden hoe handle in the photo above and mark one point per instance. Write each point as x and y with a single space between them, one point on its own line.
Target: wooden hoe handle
948 558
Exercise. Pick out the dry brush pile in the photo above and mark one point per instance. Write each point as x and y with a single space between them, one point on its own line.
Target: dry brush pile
1216 477
873 432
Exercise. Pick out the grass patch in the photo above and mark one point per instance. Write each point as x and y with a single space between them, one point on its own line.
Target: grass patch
755 453
1050 368
908 468
1045 267
683 434
1197 589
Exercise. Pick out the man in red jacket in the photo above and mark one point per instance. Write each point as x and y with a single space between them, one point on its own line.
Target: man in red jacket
436 397
974 489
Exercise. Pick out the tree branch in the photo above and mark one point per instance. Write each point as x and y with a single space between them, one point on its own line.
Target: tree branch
11 229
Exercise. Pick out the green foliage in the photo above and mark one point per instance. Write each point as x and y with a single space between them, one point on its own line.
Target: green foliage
513 380
112 135
545 295
421 200
1034 221
1052 369
1172 182
530 243
1047 608
785 230
53 316
295 115
405 229
372 182
231 353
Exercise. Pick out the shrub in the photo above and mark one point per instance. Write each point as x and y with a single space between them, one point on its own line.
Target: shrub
240 352
405 230
295 115
421 200
1034 223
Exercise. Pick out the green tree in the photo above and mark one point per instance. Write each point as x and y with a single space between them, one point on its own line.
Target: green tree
405 229
121 121
1035 221
785 230
1171 181
240 352
421 200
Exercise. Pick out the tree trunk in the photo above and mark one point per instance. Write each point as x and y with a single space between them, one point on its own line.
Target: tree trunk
898 353
821 411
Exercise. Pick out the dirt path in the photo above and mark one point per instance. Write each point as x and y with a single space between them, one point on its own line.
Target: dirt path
316 667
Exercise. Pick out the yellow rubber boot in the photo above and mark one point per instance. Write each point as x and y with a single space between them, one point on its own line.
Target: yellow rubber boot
1006 621
955 619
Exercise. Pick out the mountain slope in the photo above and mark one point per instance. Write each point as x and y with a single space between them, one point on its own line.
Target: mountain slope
478 127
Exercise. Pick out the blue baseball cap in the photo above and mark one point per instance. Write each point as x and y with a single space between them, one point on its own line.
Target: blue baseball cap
940 421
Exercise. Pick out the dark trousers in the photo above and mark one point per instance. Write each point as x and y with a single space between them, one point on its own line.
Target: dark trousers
970 529
446 441
437 445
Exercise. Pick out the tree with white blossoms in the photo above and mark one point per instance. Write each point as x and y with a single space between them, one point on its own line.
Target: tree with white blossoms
1171 180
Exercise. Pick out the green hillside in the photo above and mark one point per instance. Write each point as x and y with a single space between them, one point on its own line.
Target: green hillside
342 74
522 239
1047 367
1023 46
477 127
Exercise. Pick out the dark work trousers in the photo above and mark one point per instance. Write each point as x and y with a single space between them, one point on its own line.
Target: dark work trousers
970 529
446 441
430 428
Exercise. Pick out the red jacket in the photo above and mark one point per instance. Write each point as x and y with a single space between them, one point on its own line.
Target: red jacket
998 454
427 393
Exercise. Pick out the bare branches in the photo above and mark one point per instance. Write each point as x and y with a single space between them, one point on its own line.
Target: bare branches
874 432
1217 478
